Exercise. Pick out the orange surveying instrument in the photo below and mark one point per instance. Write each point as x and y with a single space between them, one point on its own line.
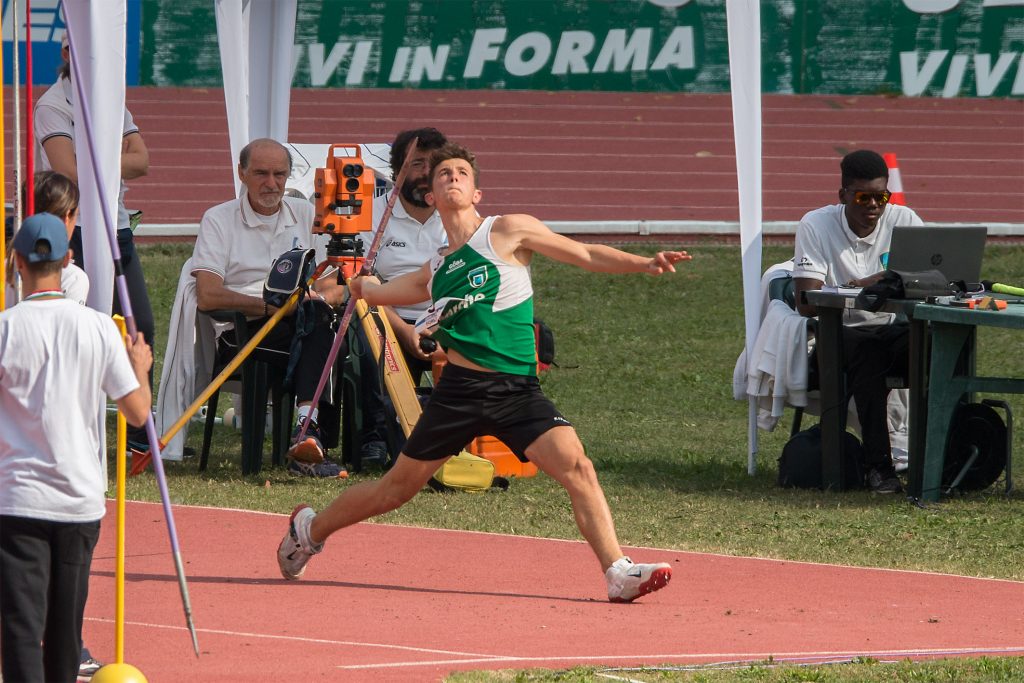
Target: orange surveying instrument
342 201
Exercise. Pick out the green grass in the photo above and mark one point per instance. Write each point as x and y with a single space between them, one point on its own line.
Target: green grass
645 368
983 669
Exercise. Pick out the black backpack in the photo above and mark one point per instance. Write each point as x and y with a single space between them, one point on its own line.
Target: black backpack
289 271
800 462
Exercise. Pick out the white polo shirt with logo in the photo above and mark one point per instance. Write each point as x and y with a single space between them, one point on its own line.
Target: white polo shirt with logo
54 117
828 250
239 244
406 246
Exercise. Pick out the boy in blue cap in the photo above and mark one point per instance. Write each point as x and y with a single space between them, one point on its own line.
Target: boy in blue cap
57 360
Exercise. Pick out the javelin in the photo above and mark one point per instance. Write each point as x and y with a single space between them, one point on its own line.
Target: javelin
126 307
15 80
30 151
367 268
3 196
16 142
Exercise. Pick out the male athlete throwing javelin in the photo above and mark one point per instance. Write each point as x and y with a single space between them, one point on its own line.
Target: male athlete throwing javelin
481 284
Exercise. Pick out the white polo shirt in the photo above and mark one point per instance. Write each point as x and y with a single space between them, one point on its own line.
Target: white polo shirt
406 246
828 250
239 244
57 360
54 117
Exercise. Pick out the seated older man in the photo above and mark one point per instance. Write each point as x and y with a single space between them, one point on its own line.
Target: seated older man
238 240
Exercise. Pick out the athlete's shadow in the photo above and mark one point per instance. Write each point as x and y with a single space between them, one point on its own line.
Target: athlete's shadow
139 577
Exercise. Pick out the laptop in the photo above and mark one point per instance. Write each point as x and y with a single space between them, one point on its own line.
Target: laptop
955 251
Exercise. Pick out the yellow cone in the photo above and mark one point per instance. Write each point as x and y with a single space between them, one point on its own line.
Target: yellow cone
118 673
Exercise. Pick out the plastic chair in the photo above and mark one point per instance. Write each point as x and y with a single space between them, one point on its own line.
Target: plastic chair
264 370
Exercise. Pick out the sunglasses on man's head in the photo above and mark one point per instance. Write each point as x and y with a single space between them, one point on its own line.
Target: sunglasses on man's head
864 198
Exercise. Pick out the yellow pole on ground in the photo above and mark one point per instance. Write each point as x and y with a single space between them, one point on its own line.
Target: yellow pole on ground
118 671
122 447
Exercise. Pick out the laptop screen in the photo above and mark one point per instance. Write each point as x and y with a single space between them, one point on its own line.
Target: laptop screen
955 251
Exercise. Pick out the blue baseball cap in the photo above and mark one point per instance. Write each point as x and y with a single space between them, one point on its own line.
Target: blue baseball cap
42 227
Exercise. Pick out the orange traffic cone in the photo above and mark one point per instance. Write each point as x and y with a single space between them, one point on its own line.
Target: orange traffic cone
895 181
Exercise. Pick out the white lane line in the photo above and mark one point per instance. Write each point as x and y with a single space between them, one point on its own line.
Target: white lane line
303 639
731 657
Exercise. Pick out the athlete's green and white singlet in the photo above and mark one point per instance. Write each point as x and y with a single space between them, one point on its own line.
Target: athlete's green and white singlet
485 306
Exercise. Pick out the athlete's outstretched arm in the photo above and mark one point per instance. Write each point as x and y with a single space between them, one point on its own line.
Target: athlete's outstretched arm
407 289
526 232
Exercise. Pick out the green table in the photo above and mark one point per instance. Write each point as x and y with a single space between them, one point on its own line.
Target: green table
951 374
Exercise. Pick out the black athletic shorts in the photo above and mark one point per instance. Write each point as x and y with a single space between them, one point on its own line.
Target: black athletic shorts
466 404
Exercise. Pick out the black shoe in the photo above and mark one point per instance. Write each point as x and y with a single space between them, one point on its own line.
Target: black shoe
884 481
323 470
374 453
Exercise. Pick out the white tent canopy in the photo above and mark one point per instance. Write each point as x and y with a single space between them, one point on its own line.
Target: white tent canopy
256 39
744 19
98 34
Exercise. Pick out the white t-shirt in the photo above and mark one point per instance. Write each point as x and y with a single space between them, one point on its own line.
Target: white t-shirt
54 117
828 250
74 284
239 244
406 246
57 361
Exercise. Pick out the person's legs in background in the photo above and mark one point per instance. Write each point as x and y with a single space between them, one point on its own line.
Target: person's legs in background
142 311
373 442
871 354
309 367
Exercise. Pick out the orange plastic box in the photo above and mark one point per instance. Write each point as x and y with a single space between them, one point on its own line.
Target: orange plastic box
506 464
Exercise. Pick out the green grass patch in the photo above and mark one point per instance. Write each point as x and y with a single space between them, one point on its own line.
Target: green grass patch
862 670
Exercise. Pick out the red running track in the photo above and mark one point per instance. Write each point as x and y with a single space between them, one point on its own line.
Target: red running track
391 603
585 156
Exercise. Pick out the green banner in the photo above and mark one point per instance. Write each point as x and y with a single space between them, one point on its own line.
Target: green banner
947 48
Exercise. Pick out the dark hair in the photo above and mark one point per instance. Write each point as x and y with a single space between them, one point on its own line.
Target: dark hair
55 193
40 268
862 165
429 140
64 70
243 156
453 150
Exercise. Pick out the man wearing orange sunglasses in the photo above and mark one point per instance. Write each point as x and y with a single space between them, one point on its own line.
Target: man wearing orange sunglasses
848 244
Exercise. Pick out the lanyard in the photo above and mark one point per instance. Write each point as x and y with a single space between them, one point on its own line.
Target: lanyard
45 294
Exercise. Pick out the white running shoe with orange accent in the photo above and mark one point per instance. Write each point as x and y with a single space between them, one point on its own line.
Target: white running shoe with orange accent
296 548
628 581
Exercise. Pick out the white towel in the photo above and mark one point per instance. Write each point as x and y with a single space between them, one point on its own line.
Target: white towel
188 361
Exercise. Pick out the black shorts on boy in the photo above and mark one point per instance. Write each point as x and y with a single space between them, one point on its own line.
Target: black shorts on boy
469 403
